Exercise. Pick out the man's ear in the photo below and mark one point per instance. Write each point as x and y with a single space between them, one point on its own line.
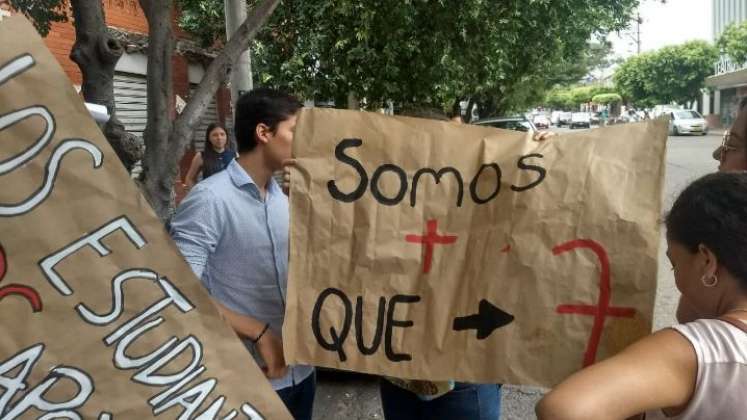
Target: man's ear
708 259
262 133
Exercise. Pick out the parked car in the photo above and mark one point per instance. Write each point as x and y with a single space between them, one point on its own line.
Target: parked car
517 123
580 119
660 110
555 117
541 121
564 119
687 122
595 118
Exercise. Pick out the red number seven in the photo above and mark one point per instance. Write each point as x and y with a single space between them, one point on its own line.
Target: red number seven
25 292
602 309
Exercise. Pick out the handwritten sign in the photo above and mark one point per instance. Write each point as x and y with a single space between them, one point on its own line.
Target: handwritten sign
102 318
429 250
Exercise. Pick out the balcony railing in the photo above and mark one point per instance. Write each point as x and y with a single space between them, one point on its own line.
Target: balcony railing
726 65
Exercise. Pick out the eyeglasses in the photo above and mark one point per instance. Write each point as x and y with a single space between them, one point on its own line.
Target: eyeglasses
725 146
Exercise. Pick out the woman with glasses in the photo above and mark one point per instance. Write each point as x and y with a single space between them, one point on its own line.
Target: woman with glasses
732 157
693 371
732 154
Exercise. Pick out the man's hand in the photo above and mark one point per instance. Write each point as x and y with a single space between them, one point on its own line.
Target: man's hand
270 347
543 135
286 174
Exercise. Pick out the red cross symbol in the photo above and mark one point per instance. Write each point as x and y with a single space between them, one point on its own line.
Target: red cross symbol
428 240
17 289
602 309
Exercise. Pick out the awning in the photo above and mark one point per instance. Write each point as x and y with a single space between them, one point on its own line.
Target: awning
728 80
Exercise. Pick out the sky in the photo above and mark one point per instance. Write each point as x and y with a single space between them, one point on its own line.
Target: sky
671 23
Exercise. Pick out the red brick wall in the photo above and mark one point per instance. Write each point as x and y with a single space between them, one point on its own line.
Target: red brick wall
125 14
60 42
224 104
122 14
181 79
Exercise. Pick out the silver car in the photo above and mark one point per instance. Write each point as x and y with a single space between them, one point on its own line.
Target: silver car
687 122
516 123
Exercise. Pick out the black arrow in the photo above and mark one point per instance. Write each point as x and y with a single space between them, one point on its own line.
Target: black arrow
487 320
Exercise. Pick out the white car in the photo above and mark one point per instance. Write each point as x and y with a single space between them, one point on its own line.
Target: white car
580 119
555 118
687 122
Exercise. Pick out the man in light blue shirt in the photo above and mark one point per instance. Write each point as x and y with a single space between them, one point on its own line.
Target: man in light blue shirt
233 231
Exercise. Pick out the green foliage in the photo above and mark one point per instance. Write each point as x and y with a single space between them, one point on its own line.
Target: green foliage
607 98
733 42
568 98
670 75
595 56
559 98
205 19
503 54
42 12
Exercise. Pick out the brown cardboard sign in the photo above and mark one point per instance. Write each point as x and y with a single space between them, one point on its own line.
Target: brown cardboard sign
430 250
101 316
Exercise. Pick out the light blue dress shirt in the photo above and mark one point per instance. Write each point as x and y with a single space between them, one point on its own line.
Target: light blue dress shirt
237 244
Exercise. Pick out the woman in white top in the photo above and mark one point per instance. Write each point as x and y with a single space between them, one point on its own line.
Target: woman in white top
693 371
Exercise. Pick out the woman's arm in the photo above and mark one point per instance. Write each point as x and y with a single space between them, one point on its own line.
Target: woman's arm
658 371
194 168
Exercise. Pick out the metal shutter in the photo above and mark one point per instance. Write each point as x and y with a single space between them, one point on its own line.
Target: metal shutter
210 116
131 101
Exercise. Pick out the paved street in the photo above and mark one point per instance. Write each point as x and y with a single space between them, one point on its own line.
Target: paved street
347 396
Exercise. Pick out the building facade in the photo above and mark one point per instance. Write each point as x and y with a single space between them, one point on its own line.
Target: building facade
728 85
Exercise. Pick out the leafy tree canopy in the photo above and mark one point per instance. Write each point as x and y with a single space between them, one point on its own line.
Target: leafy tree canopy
569 98
733 42
674 74
42 12
503 54
607 98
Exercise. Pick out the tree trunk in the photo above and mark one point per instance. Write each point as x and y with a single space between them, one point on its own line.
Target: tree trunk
166 142
157 181
96 53
353 102
470 109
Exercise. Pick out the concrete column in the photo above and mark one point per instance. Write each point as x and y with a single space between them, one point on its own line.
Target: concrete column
241 74
717 102
706 103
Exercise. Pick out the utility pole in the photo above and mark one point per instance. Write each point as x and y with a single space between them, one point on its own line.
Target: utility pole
241 73
638 22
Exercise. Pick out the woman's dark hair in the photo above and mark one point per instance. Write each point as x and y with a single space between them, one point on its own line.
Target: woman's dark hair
261 106
210 158
713 211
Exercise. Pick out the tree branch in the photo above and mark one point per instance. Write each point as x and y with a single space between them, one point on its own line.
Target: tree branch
216 73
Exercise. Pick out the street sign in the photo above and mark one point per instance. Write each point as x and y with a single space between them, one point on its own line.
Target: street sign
431 250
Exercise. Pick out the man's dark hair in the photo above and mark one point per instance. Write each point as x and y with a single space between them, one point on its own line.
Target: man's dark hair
261 106
713 211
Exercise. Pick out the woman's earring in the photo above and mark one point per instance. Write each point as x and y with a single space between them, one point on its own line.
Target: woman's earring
709 281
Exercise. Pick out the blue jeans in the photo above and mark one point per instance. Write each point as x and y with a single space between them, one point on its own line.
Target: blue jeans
299 398
464 402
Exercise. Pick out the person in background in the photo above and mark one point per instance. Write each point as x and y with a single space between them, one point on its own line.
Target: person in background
215 158
693 371
233 231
